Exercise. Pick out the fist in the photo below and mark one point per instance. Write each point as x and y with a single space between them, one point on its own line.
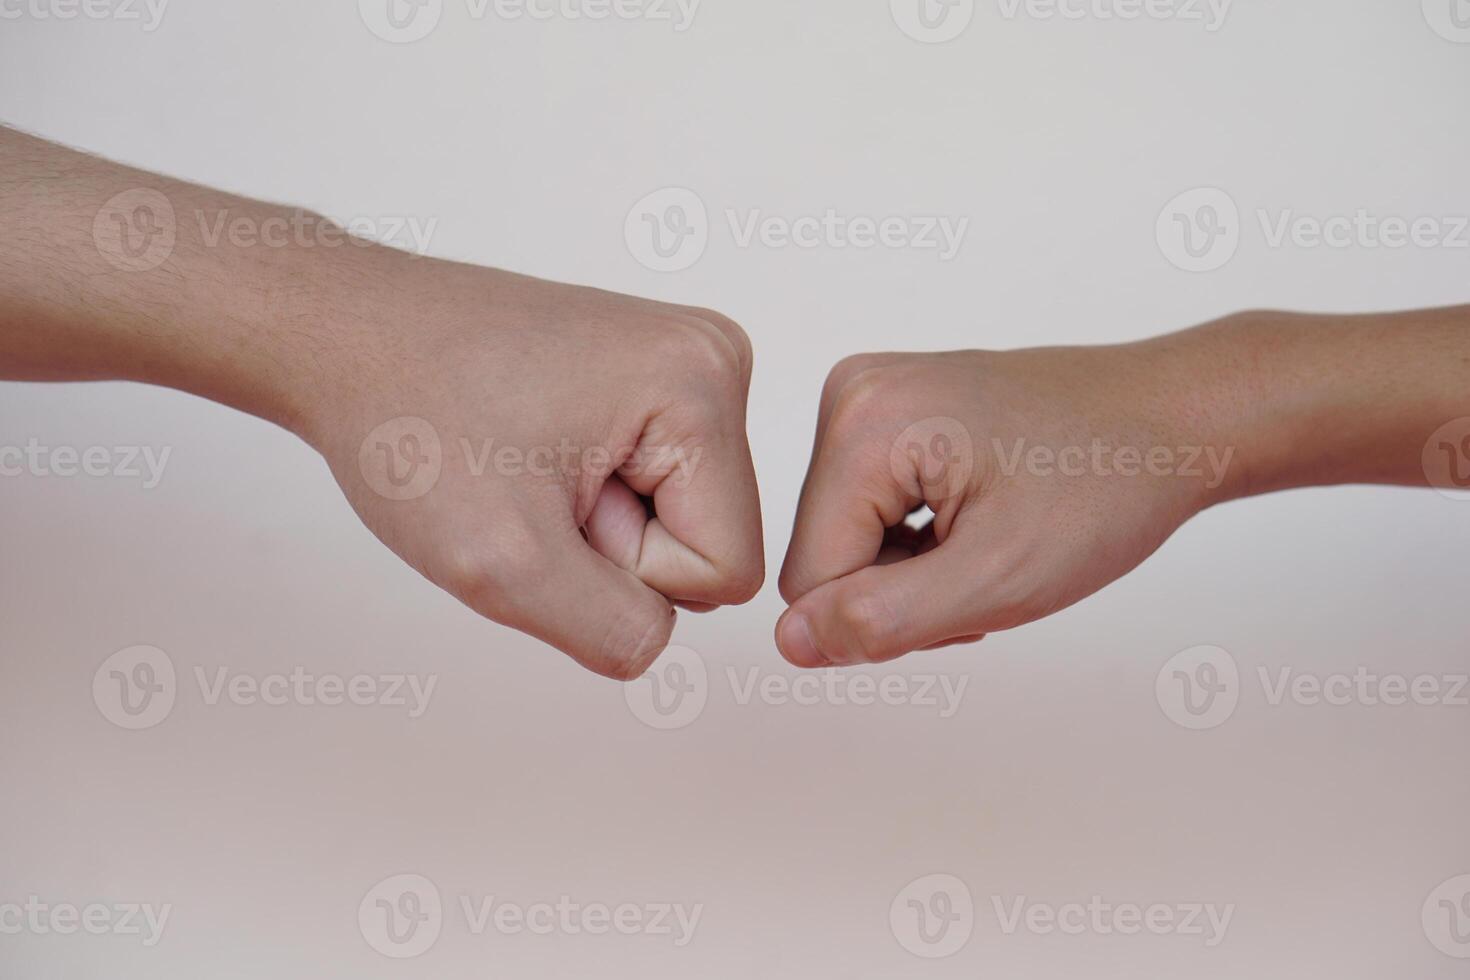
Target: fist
1049 473
568 462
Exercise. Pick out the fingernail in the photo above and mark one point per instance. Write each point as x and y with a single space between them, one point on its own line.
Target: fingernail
797 634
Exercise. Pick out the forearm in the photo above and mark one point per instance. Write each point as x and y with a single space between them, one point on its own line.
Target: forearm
149 291
1312 400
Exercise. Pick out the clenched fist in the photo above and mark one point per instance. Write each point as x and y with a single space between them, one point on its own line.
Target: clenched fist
566 461
573 463
1049 473
1053 471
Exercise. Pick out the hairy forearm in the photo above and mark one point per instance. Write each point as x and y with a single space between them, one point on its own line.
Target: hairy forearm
1314 400
107 272
146 287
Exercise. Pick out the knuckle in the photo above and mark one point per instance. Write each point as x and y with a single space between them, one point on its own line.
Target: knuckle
703 351
731 331
490 575
867 395
632 642
845 370
477 583
742 582
865 621
1008 595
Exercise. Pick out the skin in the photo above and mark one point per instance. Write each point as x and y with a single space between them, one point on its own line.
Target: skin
1282 400
635 491
341 342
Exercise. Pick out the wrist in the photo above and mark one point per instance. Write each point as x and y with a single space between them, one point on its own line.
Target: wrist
1208 388
243 327
278 331
1263 387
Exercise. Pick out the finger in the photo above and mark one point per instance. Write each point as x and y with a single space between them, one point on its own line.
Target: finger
615 526
884 611
869 471
850 499
703 543
848 505
570 596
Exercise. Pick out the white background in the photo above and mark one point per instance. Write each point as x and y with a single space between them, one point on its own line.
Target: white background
795 826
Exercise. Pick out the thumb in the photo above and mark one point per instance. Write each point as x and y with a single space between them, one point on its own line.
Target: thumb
589 608
884 611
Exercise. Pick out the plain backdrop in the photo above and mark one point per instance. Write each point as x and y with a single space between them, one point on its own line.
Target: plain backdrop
794 826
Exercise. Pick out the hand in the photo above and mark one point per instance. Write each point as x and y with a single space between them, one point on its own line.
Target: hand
569 461
565 461
1050 473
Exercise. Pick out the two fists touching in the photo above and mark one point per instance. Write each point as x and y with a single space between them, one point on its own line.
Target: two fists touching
573 463
570 462
589 471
